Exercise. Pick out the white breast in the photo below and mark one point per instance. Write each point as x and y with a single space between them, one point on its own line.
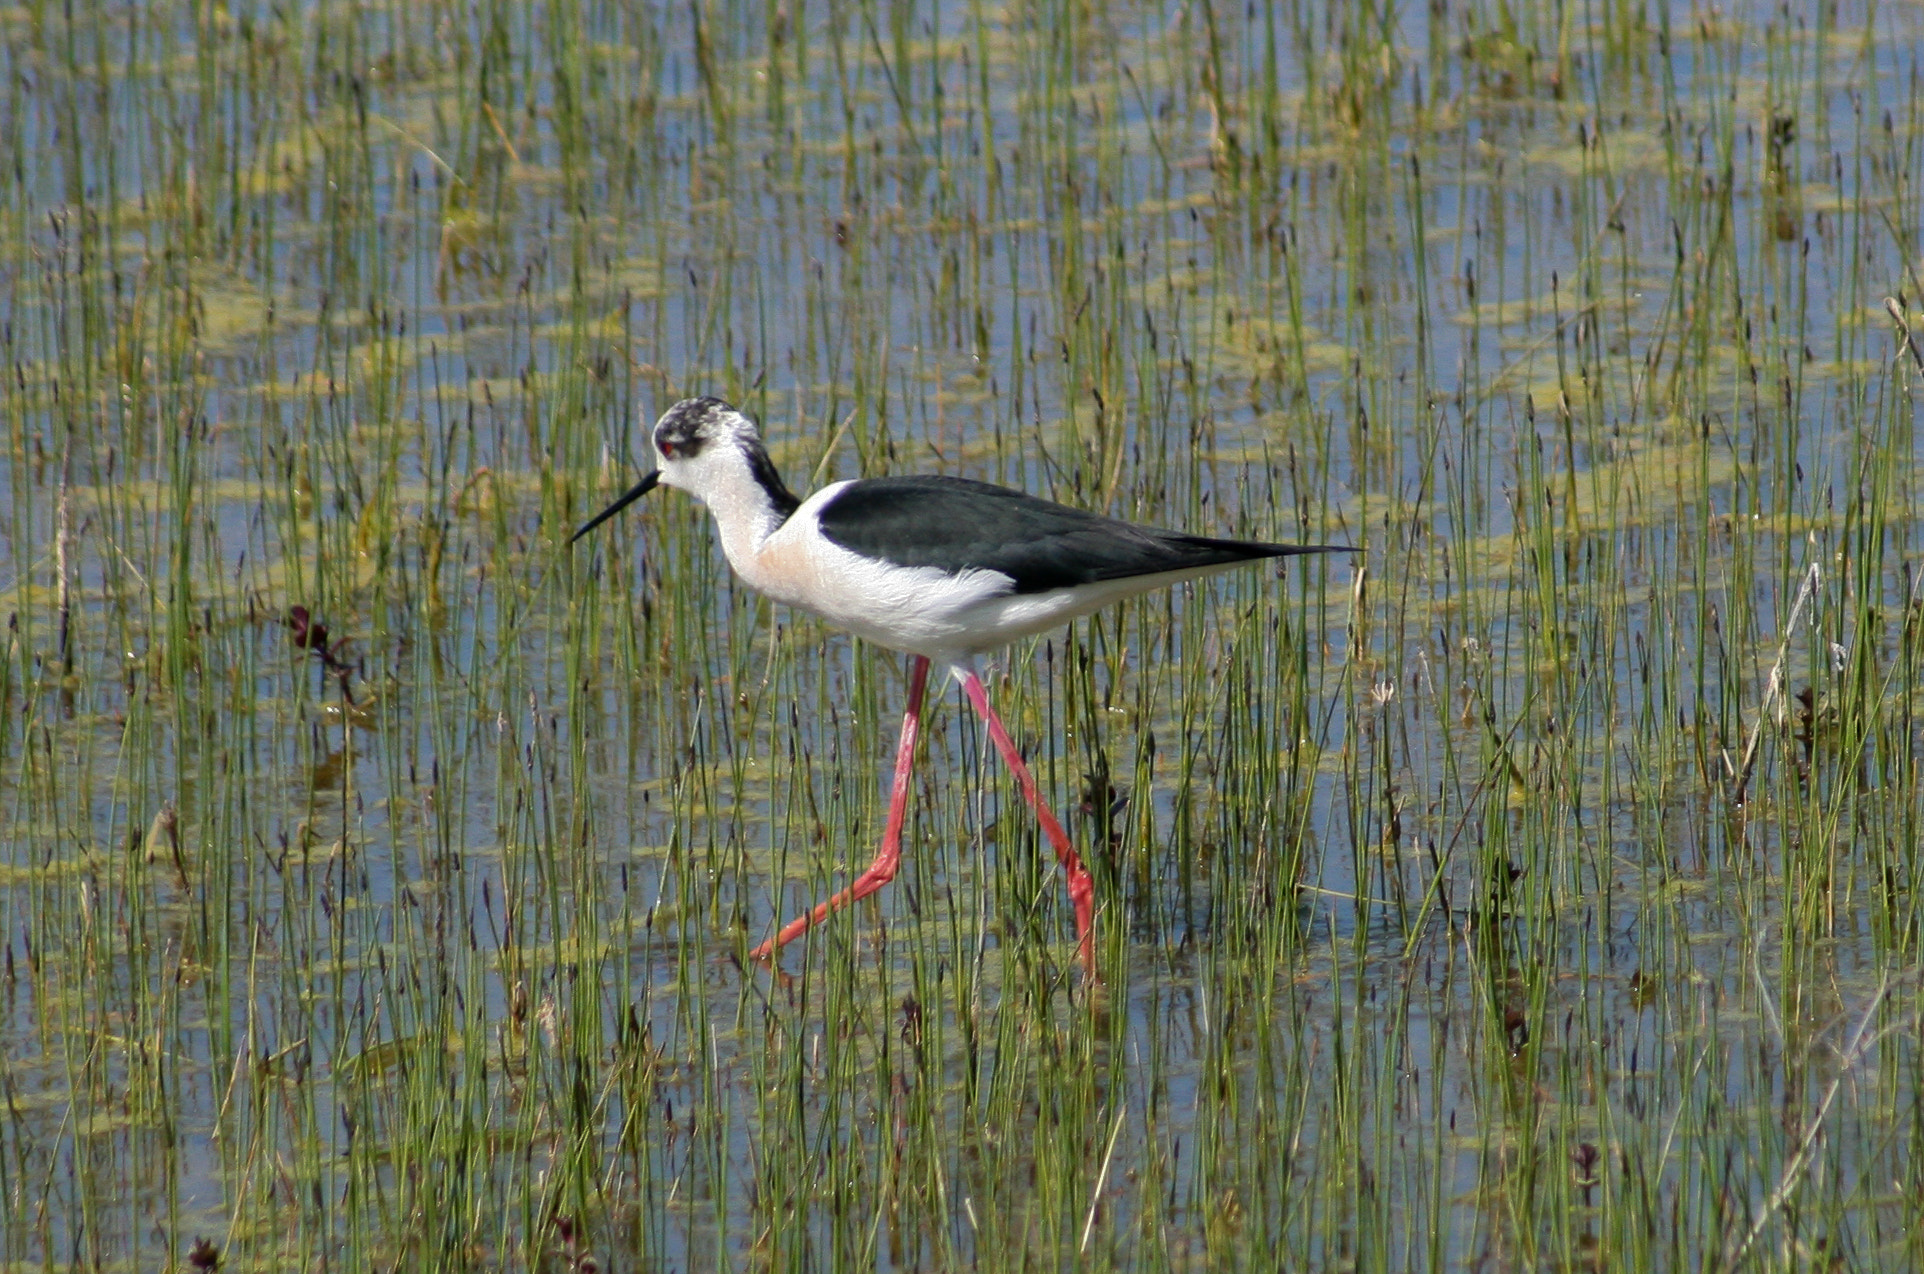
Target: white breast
920 609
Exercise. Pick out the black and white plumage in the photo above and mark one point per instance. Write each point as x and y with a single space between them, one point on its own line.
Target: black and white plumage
937 566
943 568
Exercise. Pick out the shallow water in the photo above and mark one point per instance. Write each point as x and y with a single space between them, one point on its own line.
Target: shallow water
1537 891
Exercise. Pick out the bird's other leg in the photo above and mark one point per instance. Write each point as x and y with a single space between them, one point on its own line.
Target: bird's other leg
1081 888
882 870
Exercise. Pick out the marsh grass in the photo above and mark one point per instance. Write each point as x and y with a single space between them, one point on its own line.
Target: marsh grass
1538 891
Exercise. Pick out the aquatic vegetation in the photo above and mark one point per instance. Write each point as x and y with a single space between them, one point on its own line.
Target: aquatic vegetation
377 877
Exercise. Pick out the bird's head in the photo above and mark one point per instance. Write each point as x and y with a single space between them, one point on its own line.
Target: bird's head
703 446
699 441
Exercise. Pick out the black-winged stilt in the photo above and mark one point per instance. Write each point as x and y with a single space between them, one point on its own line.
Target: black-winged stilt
942 568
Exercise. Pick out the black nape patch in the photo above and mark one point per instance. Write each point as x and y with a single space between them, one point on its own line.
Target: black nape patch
784 500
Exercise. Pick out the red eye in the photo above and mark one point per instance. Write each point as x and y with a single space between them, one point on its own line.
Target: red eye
667 450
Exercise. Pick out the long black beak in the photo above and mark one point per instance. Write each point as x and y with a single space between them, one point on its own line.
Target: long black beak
634 493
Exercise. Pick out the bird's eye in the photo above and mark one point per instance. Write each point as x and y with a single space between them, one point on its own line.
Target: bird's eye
666 448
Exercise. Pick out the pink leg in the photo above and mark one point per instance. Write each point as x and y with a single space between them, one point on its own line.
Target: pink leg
882 870
1081 888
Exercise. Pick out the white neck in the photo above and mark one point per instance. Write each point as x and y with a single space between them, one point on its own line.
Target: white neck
745 516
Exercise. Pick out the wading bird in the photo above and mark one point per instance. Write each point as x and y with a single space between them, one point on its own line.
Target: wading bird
944 569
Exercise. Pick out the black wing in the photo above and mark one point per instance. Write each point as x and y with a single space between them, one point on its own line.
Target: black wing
955 524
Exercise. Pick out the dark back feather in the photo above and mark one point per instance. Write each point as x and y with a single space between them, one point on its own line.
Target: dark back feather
955 524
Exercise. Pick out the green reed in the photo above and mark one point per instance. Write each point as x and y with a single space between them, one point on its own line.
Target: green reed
1537 889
